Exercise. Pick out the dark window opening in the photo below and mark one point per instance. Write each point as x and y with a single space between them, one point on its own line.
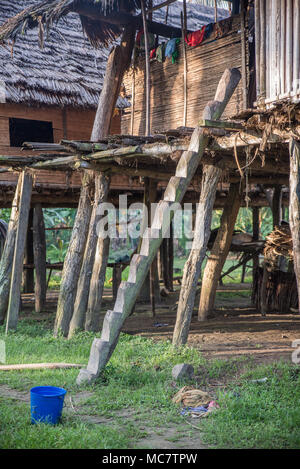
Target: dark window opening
25 130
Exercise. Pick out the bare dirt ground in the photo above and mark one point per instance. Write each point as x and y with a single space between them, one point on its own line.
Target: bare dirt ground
235 330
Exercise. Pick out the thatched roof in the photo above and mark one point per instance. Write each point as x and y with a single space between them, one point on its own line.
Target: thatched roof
68 71
44 14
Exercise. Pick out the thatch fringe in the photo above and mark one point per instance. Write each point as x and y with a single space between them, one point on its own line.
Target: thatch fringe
46 13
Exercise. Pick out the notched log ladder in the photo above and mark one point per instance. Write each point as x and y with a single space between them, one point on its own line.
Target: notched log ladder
103 348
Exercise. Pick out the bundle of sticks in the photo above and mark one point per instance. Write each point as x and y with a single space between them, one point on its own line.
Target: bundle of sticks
279 243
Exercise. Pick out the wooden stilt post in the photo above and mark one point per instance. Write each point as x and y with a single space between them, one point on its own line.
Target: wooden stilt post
28 274
8 253
294 207
117 279
255 229
277 205
102 182
39 251
171 258
118 61
17 269
192 268
92 322
219 252
74 257
103 348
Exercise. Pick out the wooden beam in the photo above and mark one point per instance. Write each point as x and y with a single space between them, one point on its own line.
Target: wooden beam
17 269
102 182
118 61
192 268
8 253
294 209
73 259
219 252
147 65
39 251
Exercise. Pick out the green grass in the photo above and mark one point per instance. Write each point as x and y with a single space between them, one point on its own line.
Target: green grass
259 415
135 392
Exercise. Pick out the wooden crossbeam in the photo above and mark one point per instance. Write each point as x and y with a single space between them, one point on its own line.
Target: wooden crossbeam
225 125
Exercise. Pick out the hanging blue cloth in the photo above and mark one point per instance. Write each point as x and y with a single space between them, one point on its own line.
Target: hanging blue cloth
171 47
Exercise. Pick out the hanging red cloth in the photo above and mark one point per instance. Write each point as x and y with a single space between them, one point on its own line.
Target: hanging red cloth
153 54
196 38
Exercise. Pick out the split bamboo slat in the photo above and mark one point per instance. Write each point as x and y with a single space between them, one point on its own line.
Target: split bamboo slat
278 57
206 64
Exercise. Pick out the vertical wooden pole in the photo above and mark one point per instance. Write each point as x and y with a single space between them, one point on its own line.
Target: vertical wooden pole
255 224
282 47
244 54
8 253
262 61
184 30
102 183
118 61
289 46
192 268
92 322
257 46
171 258
296 50
16 276
277 205
39 250
28 274
219 252
294 207
74 257
147 63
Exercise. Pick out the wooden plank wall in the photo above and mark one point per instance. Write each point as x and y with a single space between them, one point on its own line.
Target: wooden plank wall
71 124
206 64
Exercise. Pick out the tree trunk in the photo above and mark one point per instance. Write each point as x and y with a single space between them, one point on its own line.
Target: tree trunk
192 268
16 276
118 61
73 260
83 288
294 208
219 252
8 253
39 251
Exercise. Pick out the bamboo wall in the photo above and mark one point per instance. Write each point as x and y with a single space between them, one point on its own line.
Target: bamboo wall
206 64
277 26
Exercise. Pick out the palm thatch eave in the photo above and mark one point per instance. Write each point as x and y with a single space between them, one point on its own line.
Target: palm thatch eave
94 14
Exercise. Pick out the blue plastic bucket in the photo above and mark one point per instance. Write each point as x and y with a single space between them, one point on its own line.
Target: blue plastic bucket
46 404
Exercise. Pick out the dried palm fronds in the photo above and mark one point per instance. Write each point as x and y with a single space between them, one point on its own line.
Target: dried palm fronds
191 397
46 13
279 243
